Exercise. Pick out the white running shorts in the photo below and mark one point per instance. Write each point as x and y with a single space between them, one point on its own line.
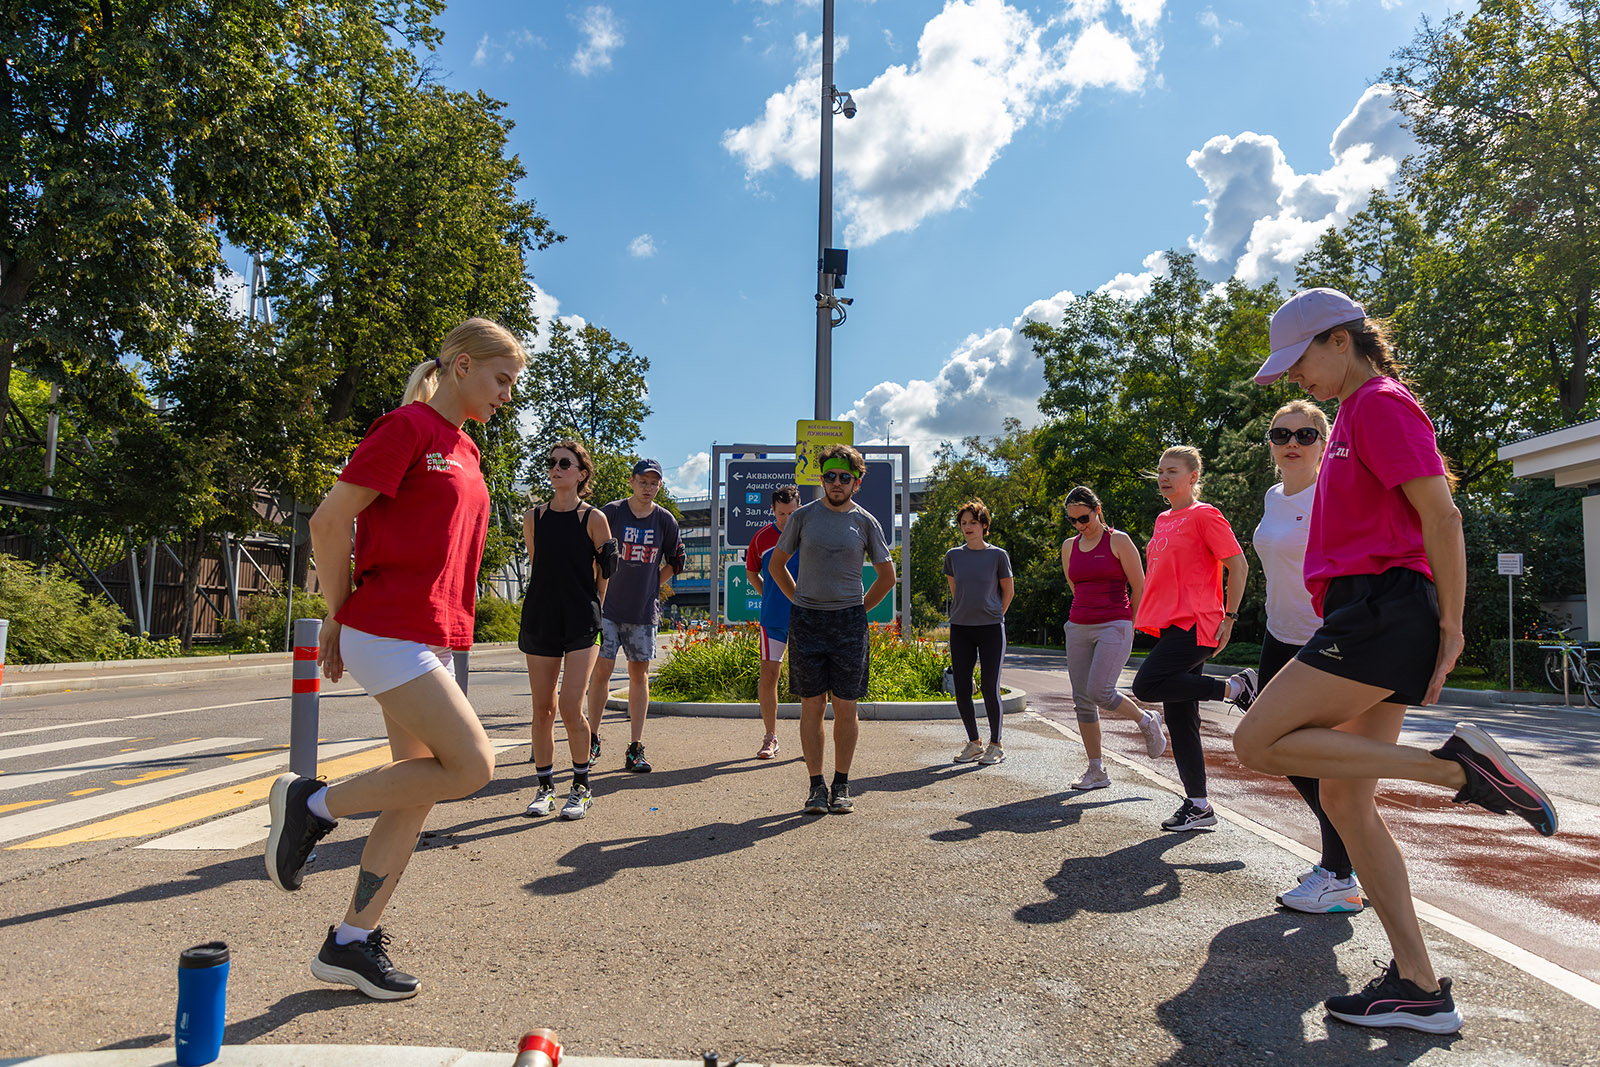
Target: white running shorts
384 663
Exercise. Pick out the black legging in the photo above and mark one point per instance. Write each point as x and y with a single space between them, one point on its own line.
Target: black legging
1335 859
1171 676
987 645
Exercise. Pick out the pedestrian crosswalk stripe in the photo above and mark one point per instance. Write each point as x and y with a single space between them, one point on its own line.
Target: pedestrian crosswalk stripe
55 817
58 746
141 759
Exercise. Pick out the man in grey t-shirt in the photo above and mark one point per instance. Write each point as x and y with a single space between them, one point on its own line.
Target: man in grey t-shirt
833 536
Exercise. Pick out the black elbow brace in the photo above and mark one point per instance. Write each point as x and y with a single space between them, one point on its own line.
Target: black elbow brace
608 557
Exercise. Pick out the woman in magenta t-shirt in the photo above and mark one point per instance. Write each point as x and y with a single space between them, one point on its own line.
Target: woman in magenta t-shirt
1191 616
1107 581
415 493
1386 567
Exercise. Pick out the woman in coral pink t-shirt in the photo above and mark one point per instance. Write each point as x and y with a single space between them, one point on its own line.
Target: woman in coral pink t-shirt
414 492
1385 565
1191 616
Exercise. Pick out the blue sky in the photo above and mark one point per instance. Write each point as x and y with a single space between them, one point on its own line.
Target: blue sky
1005 158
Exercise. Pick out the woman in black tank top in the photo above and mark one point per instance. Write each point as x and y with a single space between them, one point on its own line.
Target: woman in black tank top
561 621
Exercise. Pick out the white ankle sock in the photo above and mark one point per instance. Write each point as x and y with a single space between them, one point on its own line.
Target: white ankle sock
318 804
347 934
1200 802
1097 764
1147 718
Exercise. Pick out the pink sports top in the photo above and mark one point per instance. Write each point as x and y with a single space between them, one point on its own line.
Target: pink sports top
1099 584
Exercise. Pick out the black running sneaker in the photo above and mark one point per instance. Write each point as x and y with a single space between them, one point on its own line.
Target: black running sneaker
839 802
1190 817
1494 781
1389 1000
295 831
633 760
594 748
1248 688
817 802
365 965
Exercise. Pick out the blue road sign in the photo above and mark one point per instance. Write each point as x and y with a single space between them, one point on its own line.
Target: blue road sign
750 486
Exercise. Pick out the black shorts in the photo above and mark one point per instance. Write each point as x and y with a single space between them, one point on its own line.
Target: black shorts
554 628
828 652
1379 629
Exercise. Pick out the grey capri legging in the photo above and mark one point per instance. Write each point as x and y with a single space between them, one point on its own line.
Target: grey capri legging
1096 654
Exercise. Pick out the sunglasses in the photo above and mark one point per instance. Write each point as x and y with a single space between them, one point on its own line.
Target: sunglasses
565 463
843 477
1306 435
1081 520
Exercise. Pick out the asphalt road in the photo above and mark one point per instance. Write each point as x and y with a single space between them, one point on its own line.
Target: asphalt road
963 915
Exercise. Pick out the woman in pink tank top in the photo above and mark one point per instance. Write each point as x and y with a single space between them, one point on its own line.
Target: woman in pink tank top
1103 570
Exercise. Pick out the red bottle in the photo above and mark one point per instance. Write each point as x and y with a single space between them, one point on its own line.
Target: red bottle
541 1048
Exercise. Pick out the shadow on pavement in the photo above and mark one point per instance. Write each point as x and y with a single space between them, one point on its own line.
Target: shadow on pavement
1249 1002
199 880
1035 815
292 1007
1126 880
595 863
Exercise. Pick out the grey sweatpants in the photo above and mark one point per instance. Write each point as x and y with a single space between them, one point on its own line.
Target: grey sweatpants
1096 654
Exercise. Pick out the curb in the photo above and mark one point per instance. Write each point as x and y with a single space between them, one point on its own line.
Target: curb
1012 702
308 1055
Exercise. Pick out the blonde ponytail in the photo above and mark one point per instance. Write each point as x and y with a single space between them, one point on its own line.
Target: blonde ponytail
483 338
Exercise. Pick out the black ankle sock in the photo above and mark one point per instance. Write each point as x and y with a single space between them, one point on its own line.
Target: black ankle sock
547 776
841 778
580 774
816 780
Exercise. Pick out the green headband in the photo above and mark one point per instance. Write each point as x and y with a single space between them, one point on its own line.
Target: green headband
837 463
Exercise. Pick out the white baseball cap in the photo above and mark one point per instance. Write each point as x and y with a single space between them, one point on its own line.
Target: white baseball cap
1298 321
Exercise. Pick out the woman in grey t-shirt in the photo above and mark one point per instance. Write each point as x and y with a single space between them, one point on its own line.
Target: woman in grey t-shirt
980 592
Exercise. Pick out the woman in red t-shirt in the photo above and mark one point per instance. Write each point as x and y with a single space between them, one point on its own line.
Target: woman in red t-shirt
1185 608
1386 567
415 493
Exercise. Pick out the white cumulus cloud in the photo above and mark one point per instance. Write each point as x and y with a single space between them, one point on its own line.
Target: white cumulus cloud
602 35
989 377
548 310
504 49
927 133
689 480
642 246
1262 215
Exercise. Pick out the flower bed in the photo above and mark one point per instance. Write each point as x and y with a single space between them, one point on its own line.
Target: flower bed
723 665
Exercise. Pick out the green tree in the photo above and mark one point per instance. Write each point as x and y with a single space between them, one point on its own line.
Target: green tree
130 135
589 385
1505 104
236 420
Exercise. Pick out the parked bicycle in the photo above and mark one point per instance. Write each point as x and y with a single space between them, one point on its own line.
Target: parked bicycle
1563 655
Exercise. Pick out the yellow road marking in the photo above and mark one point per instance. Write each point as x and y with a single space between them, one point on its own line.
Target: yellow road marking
147 776
25 804
263 752
85 792
178 813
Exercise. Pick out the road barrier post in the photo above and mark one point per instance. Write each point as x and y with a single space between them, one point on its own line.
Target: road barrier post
458 660
5 624
305 695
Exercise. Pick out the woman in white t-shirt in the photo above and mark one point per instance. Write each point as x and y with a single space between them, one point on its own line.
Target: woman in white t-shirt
1298 437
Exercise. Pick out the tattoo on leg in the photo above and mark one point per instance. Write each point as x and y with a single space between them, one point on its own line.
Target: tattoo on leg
367 886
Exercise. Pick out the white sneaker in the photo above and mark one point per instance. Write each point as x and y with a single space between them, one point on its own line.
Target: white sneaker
970 754
1093 779
991 755
578 801
1323 893
1155 742
544 801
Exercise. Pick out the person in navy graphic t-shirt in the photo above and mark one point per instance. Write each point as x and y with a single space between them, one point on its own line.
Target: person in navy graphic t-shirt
650 551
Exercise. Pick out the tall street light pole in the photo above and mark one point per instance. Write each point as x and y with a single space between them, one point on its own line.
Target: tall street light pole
824 406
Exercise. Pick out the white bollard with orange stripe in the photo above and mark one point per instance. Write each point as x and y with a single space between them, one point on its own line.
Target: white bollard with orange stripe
303 703
5 624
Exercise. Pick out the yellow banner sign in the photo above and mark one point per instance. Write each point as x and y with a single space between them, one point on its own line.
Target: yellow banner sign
810 437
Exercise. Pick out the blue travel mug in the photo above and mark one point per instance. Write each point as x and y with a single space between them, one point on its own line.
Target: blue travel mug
202 1003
